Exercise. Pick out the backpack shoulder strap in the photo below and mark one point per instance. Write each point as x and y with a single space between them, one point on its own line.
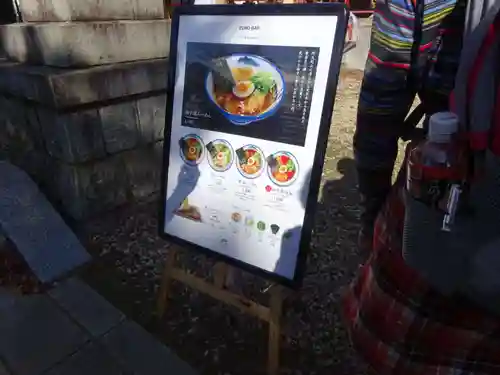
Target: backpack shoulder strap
474 36
476 11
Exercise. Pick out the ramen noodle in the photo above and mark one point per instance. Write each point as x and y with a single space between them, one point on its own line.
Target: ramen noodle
250 160
283 168
191 149
252 93
220 155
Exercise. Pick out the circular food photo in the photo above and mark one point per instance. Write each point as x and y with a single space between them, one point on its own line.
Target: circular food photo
250 161
191 149
236 217
283 168
220 155
245 87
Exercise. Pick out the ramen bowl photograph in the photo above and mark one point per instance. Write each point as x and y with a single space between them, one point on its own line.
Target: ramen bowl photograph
282 168
247 88
191 149
220 155
250 161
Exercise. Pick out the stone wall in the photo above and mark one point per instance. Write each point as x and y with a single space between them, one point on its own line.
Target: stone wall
82 105
90 10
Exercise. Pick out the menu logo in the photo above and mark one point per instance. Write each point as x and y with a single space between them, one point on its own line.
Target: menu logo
249 28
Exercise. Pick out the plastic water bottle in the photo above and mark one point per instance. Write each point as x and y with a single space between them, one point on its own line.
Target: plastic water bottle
431 199
432 165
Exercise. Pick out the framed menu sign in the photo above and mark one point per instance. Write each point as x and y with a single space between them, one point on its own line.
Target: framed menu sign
250 101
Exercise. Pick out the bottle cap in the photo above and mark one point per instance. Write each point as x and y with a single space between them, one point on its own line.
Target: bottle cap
442 126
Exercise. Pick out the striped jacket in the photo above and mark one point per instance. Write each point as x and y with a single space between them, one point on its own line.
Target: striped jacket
415 46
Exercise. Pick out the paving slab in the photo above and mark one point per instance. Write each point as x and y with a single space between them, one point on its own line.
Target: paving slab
93 359
138 351
87 307
39 337
48 245
35 334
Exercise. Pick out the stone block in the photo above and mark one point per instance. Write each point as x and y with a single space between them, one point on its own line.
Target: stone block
72 137
63 88
35 334
89 189
86 306
15 122
83 44
82 135
143 167
119 127
151 114
91 359
90 10
139 352
93 133
20 136
19 119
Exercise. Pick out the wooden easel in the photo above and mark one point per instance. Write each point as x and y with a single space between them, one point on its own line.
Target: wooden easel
217 289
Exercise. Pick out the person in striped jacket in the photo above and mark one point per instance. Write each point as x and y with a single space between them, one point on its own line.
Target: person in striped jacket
415 48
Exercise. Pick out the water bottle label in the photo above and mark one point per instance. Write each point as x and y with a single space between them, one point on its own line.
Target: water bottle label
429 185
433 192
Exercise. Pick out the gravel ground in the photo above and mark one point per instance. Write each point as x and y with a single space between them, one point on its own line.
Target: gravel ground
216 339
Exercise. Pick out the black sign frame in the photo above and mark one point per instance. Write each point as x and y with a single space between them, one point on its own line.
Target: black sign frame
334 9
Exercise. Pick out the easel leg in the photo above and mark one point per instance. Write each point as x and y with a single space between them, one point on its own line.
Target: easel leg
166 281
218 289
220 275
274 330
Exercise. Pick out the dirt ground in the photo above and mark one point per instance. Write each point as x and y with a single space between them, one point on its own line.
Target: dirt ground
215 339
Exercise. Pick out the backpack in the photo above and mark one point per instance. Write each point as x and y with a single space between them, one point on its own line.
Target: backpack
475 11
467 261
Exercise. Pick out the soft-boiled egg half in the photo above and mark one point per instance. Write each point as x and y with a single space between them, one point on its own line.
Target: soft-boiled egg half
243 89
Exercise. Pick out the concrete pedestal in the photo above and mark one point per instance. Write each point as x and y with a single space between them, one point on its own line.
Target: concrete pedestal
82 44
82 104
92 138
64 88
90 10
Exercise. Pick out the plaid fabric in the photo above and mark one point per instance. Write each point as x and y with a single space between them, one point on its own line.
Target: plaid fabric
400 326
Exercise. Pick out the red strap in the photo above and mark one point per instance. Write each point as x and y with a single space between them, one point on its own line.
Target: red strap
441 173
479 140
428 173
451 102
495 143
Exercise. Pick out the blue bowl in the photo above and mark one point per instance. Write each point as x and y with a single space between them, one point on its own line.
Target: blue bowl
259 64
